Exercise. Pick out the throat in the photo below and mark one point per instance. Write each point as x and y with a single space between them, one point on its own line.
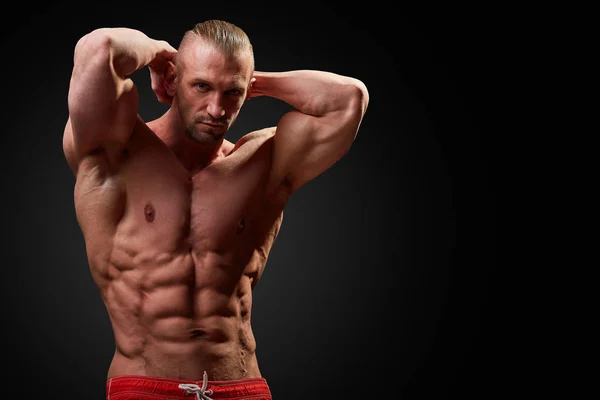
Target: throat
194 157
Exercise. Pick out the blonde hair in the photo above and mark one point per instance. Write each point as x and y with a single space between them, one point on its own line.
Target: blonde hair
226 36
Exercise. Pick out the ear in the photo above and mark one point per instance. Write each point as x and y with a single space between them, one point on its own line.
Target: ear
170 76
250 88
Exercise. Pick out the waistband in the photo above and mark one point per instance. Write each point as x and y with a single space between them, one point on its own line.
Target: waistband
127 386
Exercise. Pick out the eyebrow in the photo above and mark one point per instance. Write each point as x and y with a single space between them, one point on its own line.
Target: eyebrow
238 87
233 86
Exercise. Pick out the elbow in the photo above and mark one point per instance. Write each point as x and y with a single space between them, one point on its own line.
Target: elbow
92 49
354 97
357 102
360 97
95 43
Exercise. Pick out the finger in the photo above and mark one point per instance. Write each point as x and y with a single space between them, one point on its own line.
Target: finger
168 46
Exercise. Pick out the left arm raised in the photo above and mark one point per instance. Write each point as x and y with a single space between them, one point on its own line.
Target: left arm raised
328 110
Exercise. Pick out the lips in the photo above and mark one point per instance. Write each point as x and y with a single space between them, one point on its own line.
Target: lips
213 125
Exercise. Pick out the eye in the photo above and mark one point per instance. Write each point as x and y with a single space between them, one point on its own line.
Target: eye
202 86
234 92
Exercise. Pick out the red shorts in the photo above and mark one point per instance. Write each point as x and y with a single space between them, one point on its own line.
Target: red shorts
134 387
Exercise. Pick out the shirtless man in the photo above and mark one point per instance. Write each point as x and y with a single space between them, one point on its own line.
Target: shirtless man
178 222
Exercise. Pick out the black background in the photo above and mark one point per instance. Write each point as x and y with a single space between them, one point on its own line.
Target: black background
386 278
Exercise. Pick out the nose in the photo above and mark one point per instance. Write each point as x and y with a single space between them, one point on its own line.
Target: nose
215 107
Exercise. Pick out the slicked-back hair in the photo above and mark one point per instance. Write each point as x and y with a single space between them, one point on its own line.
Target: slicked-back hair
226 36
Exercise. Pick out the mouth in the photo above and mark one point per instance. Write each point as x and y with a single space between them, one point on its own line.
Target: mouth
213 125
214 128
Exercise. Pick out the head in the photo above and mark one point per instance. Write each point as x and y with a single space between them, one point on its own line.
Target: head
213 72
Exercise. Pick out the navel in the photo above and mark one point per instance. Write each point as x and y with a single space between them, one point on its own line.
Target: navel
196 333
241 225
149 212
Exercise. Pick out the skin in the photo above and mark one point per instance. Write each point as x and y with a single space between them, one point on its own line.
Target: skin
178 221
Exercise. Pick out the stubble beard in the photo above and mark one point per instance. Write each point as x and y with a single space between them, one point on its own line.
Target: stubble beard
201 137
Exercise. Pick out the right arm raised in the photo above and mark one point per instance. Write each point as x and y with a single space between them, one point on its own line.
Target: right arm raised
103 100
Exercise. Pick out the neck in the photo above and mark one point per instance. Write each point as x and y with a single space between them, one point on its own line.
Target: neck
192 155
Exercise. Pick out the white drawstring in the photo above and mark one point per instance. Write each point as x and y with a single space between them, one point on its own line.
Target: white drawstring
200 392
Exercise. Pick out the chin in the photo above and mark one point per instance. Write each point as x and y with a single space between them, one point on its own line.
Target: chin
204 138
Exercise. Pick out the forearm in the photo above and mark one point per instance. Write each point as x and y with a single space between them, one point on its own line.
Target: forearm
311 92
128 49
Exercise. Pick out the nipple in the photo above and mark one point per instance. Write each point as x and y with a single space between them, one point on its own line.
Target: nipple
149 212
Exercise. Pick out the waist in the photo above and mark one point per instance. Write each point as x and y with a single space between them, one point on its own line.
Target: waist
173 388
221 362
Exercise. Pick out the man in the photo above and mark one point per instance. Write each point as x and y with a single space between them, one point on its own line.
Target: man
178 221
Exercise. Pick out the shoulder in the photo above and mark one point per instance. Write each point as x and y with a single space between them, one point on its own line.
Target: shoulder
254 140
257 136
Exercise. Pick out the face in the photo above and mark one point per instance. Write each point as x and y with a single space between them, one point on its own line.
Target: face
210 91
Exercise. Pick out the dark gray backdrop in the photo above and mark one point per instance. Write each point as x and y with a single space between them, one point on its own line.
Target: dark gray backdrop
385 276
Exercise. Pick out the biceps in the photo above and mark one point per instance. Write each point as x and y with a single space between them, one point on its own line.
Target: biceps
305 146
99 117
102 105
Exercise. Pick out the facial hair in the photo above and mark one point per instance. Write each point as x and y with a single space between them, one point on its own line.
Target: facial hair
196 133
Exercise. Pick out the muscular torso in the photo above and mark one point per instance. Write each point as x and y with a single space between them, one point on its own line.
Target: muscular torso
176 254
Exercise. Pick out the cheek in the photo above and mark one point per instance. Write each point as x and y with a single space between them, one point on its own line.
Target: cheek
235 105
190 103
